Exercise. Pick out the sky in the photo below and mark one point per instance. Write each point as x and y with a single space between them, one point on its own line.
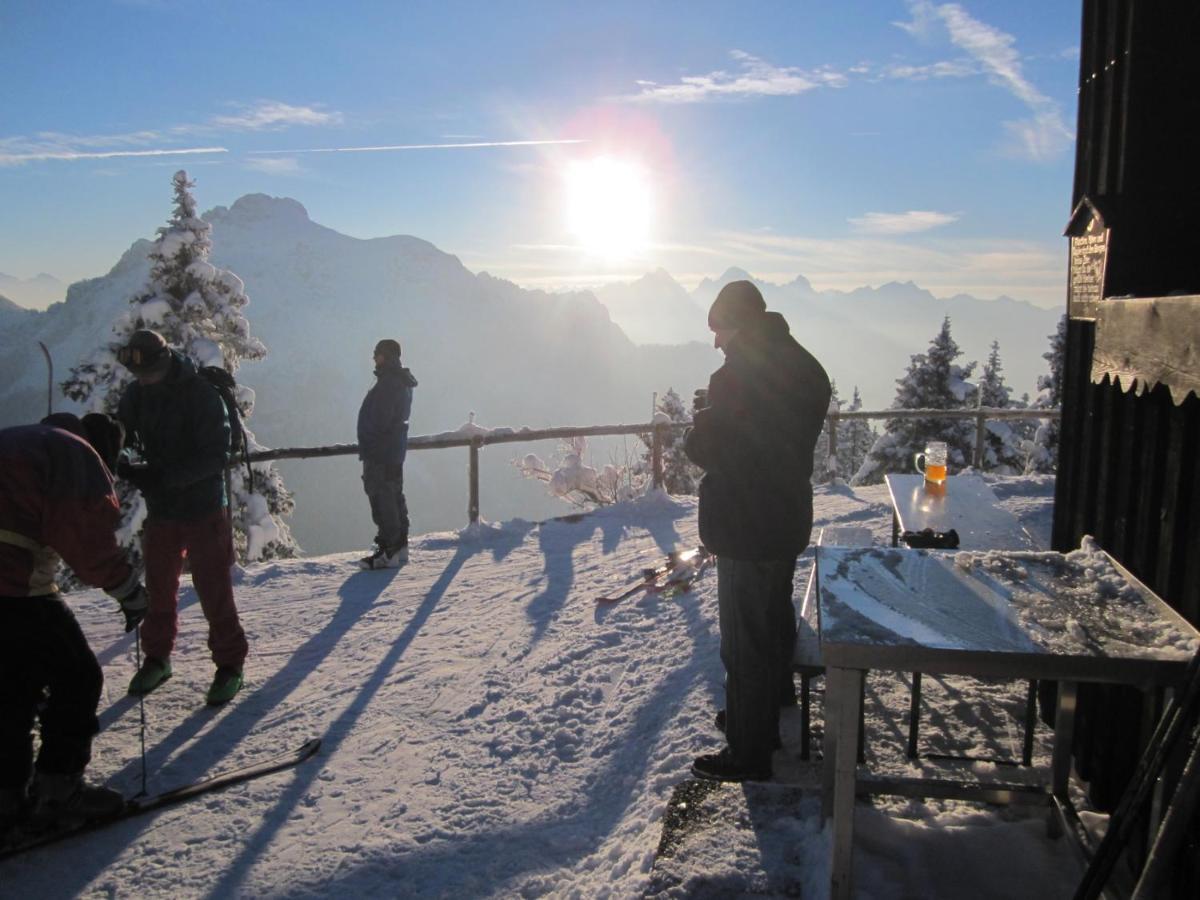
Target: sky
561 145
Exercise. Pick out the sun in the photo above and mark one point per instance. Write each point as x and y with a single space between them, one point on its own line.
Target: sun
609 206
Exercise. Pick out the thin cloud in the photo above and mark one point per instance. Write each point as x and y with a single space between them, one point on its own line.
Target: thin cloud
911 222
994 53
12 159
394 147
272 116
757 78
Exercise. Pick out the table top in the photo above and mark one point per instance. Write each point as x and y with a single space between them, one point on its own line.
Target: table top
962 502
1077 616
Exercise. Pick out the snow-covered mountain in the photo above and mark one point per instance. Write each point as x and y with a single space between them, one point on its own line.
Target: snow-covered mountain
36 293
320 300
863 337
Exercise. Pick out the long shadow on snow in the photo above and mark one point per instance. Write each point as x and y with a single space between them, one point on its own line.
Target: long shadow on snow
256 843
485 865
358 594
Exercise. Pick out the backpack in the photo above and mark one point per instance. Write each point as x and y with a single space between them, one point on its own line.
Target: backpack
225 385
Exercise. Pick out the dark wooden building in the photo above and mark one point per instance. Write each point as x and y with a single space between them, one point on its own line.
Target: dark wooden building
1129 463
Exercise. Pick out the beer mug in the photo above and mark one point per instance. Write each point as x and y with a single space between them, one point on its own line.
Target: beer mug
932 463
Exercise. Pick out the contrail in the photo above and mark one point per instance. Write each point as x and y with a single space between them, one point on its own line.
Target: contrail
428 146
108 154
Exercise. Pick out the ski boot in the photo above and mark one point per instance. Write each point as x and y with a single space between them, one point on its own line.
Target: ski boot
152 673
66 800
226 683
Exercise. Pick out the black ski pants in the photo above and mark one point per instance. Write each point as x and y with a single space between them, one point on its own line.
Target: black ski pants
47 673
758 633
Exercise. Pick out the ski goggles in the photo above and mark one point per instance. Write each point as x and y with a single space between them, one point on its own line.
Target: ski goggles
140 357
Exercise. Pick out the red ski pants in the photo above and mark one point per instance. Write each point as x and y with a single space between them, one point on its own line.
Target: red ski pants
208 545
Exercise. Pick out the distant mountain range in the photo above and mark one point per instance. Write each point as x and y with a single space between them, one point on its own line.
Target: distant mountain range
32 293
320 300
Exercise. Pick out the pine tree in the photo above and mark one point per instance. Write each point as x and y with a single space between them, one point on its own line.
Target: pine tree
855 438
680 475
933 381
1042 449
198 309
826 466
1002 451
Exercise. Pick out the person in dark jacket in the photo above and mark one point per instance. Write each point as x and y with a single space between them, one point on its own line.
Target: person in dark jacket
382 447
177 422
754 438
56 501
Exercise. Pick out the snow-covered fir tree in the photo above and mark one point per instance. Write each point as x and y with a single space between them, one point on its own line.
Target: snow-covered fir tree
1002 450
826 466
855 438
933 381
680 474
198 309
1041 450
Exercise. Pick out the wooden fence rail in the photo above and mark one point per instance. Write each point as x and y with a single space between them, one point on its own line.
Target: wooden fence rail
657 430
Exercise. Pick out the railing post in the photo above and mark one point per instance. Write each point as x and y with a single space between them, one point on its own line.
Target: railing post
833 460
473 479
979 432
656 455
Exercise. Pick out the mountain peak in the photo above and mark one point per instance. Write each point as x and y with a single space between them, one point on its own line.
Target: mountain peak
254 208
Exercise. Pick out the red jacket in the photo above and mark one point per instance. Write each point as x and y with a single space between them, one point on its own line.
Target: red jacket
56 499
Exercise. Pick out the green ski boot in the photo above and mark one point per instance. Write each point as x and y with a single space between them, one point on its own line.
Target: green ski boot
152 673
226 683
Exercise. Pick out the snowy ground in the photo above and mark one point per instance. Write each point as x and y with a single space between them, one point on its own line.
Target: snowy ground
489 732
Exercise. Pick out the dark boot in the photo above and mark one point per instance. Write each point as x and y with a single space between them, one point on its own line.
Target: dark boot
67 800
152 673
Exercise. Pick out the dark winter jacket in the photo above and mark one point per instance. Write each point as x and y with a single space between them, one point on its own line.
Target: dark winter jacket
383 416
56 499
181 429
755 442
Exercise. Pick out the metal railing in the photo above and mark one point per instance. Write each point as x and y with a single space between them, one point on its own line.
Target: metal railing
657 431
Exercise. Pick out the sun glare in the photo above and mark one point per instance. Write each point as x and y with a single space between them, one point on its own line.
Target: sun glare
608 206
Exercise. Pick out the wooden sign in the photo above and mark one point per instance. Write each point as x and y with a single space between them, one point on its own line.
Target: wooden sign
1089 258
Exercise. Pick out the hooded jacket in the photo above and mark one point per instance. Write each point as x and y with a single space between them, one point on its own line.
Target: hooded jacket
383 416
755 443
181 428
56 499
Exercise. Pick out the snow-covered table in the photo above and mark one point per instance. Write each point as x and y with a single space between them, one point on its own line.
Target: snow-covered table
962 502
1070 617
968 505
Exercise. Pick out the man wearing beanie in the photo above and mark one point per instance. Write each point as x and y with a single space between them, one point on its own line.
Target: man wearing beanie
177 422
382 447
56 500
754 437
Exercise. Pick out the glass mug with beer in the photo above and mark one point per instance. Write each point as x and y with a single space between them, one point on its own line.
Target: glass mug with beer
932 463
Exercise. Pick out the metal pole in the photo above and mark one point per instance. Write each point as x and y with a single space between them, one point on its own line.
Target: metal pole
49 379
979 430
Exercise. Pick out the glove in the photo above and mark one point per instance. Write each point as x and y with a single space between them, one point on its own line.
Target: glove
700 399
134 600
143 477
134 607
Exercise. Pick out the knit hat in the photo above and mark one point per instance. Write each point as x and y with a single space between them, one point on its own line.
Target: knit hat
388 349
146 353
737 303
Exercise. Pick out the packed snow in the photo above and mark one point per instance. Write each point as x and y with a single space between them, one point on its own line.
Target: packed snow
489 731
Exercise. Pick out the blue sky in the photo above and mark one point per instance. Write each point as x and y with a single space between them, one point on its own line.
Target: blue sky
850 142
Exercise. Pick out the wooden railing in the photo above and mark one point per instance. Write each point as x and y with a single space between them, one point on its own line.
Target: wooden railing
657 430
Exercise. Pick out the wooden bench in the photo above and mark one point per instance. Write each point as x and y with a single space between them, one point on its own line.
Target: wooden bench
806 657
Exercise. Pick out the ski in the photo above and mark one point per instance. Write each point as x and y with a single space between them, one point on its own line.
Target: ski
18 841
683 577
650 577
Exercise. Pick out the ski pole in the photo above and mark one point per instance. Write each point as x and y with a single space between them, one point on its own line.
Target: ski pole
137 641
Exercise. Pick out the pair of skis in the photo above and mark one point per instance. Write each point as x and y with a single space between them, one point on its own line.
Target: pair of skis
20 839
676 575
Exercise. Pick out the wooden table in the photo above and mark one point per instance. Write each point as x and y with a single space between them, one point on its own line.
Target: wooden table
1074 617
962 502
